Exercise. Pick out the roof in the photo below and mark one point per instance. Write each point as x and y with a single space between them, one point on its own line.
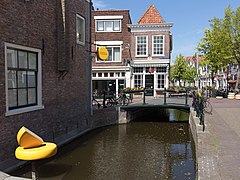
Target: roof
151 16
193 59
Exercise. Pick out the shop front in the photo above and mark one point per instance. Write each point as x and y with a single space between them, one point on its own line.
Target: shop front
152 77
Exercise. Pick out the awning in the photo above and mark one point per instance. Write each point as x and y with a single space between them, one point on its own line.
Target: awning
150 65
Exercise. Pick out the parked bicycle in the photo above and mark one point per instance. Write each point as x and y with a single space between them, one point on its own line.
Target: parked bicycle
122 99
207 106
95 103
111 101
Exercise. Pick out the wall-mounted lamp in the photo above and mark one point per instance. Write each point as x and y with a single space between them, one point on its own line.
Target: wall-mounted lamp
127 46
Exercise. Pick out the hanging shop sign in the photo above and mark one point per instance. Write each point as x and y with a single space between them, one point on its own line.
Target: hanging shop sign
102 53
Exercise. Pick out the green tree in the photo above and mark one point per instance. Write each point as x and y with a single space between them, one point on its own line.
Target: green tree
221 42
180 69
171 73
190 74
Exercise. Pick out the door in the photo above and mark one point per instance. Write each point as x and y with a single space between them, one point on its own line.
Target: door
149 84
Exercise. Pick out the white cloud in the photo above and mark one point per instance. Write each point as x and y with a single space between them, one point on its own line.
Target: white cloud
99 4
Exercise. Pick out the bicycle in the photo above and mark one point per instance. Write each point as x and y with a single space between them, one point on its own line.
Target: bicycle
123 99
111 101
95 103
207 107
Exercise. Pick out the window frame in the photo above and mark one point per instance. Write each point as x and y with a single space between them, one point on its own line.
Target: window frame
83 30
136 46
138 82
108 20
111 46
163 39
28 108
159 80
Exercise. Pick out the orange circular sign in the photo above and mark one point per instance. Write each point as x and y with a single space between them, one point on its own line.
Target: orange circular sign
102 53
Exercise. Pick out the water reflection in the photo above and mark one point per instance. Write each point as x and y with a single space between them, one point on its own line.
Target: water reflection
140 150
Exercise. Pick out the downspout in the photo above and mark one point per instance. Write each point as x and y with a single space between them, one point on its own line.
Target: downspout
89 56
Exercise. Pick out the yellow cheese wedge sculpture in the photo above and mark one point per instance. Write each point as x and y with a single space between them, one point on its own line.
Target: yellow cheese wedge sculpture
32 147
28 139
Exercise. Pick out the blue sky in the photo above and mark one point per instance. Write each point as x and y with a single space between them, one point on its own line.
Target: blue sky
190 17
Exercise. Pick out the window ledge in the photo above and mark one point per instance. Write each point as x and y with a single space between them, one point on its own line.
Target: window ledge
23 110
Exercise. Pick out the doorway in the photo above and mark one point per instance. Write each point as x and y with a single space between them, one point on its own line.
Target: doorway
149 84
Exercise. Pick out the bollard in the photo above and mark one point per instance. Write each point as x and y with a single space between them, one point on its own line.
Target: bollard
201 113
104 98
144 100
164 94
186 98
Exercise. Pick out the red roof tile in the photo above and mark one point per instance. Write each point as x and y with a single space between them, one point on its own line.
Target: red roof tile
151 16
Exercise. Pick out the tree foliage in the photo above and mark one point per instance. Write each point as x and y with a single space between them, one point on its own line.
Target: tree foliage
221 42
180 69
190 74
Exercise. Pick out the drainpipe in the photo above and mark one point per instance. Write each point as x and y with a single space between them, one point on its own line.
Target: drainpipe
89 56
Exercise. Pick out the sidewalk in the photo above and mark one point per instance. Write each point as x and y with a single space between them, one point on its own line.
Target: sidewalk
219 145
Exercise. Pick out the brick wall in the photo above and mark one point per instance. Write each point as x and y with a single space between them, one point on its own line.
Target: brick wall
150 34
124 35
66 97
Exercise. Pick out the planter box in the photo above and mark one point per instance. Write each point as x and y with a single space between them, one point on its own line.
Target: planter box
134 91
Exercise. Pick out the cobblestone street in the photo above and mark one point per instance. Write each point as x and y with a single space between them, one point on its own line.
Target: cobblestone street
218 150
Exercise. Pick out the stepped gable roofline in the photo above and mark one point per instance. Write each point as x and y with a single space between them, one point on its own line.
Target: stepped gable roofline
151 16
193 59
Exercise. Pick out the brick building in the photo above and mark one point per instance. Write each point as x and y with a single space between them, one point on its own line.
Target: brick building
110 29
151 46
45 71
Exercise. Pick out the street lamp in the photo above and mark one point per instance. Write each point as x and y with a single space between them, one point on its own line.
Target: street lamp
227 78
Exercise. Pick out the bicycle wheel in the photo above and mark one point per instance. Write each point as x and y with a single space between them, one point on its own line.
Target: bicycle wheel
207 107
109 102
95 104
120 101
125 101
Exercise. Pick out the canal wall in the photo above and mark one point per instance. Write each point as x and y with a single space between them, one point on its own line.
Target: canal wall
204 164
104 117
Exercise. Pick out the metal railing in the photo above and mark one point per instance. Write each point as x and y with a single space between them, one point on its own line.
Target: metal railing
198 105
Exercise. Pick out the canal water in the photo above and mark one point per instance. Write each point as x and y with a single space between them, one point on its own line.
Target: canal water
138 150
